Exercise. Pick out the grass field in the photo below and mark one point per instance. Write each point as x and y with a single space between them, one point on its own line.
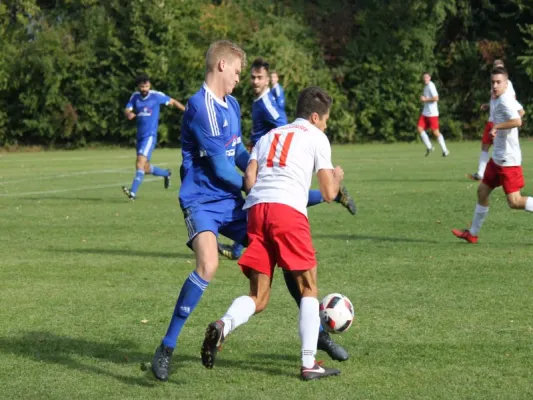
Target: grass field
89 281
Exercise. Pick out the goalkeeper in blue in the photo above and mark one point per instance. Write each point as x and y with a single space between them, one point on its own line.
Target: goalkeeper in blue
268 115
144 106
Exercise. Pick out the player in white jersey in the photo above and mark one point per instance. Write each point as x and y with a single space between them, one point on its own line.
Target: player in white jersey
504 168
487 139
429 119
279 176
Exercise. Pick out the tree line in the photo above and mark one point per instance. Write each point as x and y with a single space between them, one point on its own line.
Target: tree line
67 67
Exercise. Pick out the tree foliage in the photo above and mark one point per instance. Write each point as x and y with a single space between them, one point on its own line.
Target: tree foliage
67 67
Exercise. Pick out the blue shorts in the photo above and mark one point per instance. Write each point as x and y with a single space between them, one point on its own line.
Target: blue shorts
145 146
225 217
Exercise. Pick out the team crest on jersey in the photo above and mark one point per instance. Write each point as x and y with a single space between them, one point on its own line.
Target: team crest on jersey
146 112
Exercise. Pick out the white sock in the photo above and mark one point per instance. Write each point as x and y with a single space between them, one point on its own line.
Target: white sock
440 139
309 327
479 216
483 160
529 204
238 313
425 139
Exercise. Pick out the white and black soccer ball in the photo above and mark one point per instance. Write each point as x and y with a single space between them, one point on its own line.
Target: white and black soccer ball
336 313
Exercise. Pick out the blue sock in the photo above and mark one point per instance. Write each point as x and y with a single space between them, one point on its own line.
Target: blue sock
237 249
191 293
139 176
315 197
158 171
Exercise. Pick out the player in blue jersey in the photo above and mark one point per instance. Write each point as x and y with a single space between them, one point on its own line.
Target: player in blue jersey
144 105
210 193
267 115
277 90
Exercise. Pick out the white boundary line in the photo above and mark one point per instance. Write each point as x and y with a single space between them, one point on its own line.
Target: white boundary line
79 173
117 185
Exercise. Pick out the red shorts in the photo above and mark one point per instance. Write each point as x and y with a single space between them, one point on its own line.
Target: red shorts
511 178
487 139
428 122
277 234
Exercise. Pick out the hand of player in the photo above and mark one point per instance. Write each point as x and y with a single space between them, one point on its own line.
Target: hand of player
484 107
338 173
493 132
423 98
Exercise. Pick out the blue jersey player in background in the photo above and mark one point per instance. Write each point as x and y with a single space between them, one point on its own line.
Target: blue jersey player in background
144 105
277 90
210 193
267 115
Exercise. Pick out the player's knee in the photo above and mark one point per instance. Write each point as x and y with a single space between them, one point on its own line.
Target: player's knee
207 269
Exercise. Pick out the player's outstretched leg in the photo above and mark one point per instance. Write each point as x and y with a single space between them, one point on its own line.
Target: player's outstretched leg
346 200
161 362
325 342
165 173
214 337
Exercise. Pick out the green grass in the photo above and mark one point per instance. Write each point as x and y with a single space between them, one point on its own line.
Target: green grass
436 318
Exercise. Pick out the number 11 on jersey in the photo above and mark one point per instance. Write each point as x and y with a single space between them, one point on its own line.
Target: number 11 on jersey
276 148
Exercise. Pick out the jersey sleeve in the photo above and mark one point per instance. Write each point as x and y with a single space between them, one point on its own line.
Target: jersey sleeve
271 113
433 90
162 98
510 107
206 132
131 102
322 153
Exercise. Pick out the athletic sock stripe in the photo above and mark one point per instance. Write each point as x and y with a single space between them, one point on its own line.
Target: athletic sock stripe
195 280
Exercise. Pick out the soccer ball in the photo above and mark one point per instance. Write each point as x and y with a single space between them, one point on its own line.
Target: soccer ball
336 313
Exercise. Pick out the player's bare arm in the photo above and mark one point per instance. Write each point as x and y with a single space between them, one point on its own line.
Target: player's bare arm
329 181
250 176
425 99
129 114
512 123
177 104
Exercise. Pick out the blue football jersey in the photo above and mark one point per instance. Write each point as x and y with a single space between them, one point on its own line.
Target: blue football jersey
266 115
146 110
210 127
279 95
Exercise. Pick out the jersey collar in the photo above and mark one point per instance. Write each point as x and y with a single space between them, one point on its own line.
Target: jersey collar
265 93
219 101
144 98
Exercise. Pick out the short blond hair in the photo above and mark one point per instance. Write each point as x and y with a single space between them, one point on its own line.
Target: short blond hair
223 49
498 63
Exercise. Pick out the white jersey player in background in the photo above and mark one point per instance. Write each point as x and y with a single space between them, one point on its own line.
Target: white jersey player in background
504 168
487 139
429 119
279 176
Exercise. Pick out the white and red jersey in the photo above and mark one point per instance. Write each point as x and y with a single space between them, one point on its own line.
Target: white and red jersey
431 109
287 157
510 91
506 152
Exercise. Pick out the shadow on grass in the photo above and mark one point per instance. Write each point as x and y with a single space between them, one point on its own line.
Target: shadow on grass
348 236
124 252
68 352
62 350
